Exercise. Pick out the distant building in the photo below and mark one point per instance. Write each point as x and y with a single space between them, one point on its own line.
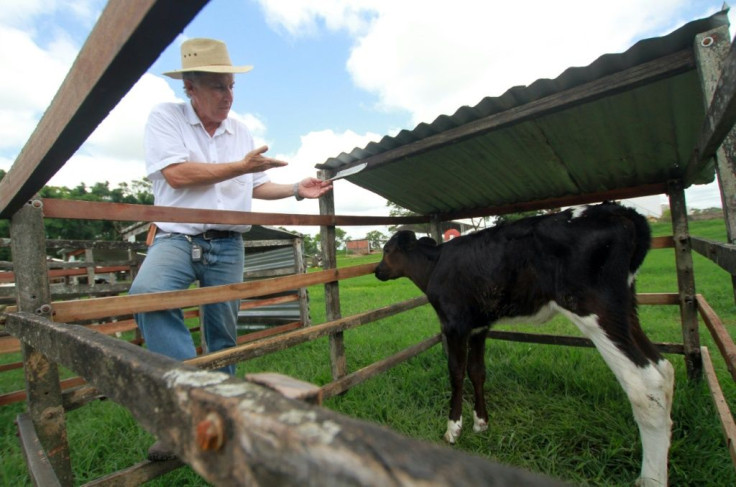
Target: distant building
359 246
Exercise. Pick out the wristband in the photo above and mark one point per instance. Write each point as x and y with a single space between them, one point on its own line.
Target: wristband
296 192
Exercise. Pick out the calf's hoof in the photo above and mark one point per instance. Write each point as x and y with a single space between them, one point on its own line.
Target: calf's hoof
479 424
453 430
649 482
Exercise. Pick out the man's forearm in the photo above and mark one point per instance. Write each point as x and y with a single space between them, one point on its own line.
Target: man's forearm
273 191
187 174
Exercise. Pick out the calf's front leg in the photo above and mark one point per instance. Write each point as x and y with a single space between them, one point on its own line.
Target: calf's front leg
477 374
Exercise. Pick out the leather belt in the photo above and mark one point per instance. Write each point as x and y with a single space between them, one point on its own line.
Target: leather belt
215 234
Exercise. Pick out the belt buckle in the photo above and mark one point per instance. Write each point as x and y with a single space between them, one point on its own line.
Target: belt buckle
208 235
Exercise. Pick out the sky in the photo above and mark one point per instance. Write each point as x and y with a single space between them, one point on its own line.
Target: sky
329 75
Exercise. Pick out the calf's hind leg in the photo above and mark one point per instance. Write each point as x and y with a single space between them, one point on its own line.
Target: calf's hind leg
649 388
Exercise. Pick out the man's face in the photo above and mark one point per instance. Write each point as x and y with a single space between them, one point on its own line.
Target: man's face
212 96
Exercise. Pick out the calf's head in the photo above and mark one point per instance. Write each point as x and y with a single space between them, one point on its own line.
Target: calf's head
398 253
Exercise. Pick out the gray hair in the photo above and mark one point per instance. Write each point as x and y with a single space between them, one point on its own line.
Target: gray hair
193 76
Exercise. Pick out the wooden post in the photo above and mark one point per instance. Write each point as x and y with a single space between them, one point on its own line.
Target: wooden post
200 318
89 256
685 280
711 49
332 289
300 267
435 229
45 406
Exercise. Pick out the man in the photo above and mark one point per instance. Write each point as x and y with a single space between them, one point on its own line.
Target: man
197 156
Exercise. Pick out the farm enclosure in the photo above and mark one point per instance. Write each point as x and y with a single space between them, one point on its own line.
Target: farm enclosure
662 71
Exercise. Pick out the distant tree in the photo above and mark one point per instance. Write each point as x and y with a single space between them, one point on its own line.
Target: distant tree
340 236
396 210
376 239
138 192
311 244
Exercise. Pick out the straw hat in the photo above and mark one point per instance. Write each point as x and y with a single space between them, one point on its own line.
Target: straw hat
208 55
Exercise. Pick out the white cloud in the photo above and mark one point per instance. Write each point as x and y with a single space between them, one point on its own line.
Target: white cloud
305 17
114 151
36 73
121 133
316 147
433 62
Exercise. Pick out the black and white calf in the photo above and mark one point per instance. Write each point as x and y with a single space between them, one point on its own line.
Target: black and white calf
579 263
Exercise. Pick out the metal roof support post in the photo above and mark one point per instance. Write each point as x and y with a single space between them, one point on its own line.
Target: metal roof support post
28 244
332 289
685 280
711 49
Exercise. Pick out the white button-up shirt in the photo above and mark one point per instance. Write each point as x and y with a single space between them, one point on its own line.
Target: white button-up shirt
174 134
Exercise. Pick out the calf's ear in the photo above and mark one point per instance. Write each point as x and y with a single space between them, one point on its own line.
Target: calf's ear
427 241
406 239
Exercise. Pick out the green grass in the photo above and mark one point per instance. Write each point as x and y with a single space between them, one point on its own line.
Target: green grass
554 410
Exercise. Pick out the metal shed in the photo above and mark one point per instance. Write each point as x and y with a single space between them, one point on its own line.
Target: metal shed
272 252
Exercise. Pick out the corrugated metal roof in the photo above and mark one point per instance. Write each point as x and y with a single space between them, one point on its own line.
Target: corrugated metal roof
627 120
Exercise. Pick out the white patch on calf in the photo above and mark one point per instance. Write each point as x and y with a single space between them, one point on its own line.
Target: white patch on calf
649 390
578 211
542 316
632 278
453 430
479 424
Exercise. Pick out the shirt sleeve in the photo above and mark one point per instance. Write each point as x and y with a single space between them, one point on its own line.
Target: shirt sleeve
163 142
260 178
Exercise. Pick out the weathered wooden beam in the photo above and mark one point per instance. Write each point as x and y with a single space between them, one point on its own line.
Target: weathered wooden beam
359 376
39 466
720 335
127 39
84 244
570 200
17 396
722 254
137 474
713 50
685 280
248 351
41 374
338 360
569 341
719 400
6 277
665 242
658 298
97 210
232 432
721 114
96 308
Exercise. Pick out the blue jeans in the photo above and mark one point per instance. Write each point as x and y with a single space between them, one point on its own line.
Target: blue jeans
168 267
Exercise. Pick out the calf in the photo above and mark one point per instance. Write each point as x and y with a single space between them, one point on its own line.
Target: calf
579 263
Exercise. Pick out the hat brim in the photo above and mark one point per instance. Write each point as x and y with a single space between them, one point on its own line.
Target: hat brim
208 69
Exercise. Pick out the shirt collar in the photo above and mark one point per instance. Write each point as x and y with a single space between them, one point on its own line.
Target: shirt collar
193 119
